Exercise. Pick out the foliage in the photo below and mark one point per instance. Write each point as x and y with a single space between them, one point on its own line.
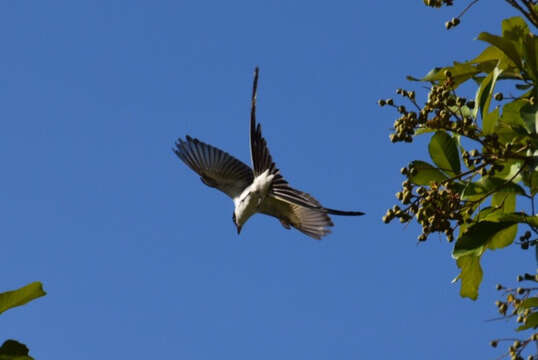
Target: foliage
21 296
453 192
483 167
11 349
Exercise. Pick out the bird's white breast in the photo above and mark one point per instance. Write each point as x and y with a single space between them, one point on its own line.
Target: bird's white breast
251 198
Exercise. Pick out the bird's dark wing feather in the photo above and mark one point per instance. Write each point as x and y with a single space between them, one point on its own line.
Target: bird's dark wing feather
312 222
216 168
262 160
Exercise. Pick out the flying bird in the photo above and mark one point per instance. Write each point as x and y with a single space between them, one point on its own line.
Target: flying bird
261 189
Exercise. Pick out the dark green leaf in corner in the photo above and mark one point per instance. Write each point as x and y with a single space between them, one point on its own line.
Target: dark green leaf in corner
443 150
14 350
10 299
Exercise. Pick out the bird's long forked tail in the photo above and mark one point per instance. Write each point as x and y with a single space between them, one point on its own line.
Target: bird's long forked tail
343 213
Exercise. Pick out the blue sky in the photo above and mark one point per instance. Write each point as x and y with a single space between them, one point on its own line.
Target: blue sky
141 260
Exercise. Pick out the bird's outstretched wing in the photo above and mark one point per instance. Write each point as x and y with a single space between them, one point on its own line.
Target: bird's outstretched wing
262 161
312 222
261 158
216 168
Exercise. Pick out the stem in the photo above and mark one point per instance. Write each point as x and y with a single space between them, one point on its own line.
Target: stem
500 186
531 15
459 176
467 8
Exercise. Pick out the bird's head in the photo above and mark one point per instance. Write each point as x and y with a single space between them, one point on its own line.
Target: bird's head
238 227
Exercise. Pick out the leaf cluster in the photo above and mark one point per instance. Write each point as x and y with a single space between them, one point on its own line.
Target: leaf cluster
11 349
483 161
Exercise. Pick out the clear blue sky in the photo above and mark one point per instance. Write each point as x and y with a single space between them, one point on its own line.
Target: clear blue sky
142 261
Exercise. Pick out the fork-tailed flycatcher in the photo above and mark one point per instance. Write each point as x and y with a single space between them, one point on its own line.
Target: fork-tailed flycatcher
258 190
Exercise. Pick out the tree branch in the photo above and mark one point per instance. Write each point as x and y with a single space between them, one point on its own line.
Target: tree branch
530 15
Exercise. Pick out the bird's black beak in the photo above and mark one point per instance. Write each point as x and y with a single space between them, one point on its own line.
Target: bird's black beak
238 229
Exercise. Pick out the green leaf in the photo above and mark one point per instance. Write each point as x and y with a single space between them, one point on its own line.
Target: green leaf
423 130
514 218
477 236
489 121
511 168
485 213
503 44
463 111
443 150
425 173
530 47
529 303
531 220
505 201
475 190
10 299
514 28
520 114
509 133
470 275
531 180
14 350
532 321
479 189
503 238
492 55
461 72
485 92
503 186
529 114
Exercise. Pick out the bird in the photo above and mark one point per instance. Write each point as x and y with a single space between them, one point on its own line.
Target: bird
260 189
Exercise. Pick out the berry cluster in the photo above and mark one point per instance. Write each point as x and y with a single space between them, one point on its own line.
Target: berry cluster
443 110
438 3
525 242
516 304
439 207
434 207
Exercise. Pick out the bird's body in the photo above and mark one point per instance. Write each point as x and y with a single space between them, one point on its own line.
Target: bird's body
258 190
253 198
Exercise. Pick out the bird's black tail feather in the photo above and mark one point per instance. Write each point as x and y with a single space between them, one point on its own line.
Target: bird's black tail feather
343 213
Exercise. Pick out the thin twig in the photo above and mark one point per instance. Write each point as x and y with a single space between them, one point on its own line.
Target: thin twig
531 15
467 8
499 187
530 6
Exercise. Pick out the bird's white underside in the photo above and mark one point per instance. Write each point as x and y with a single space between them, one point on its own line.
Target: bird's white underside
250 200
